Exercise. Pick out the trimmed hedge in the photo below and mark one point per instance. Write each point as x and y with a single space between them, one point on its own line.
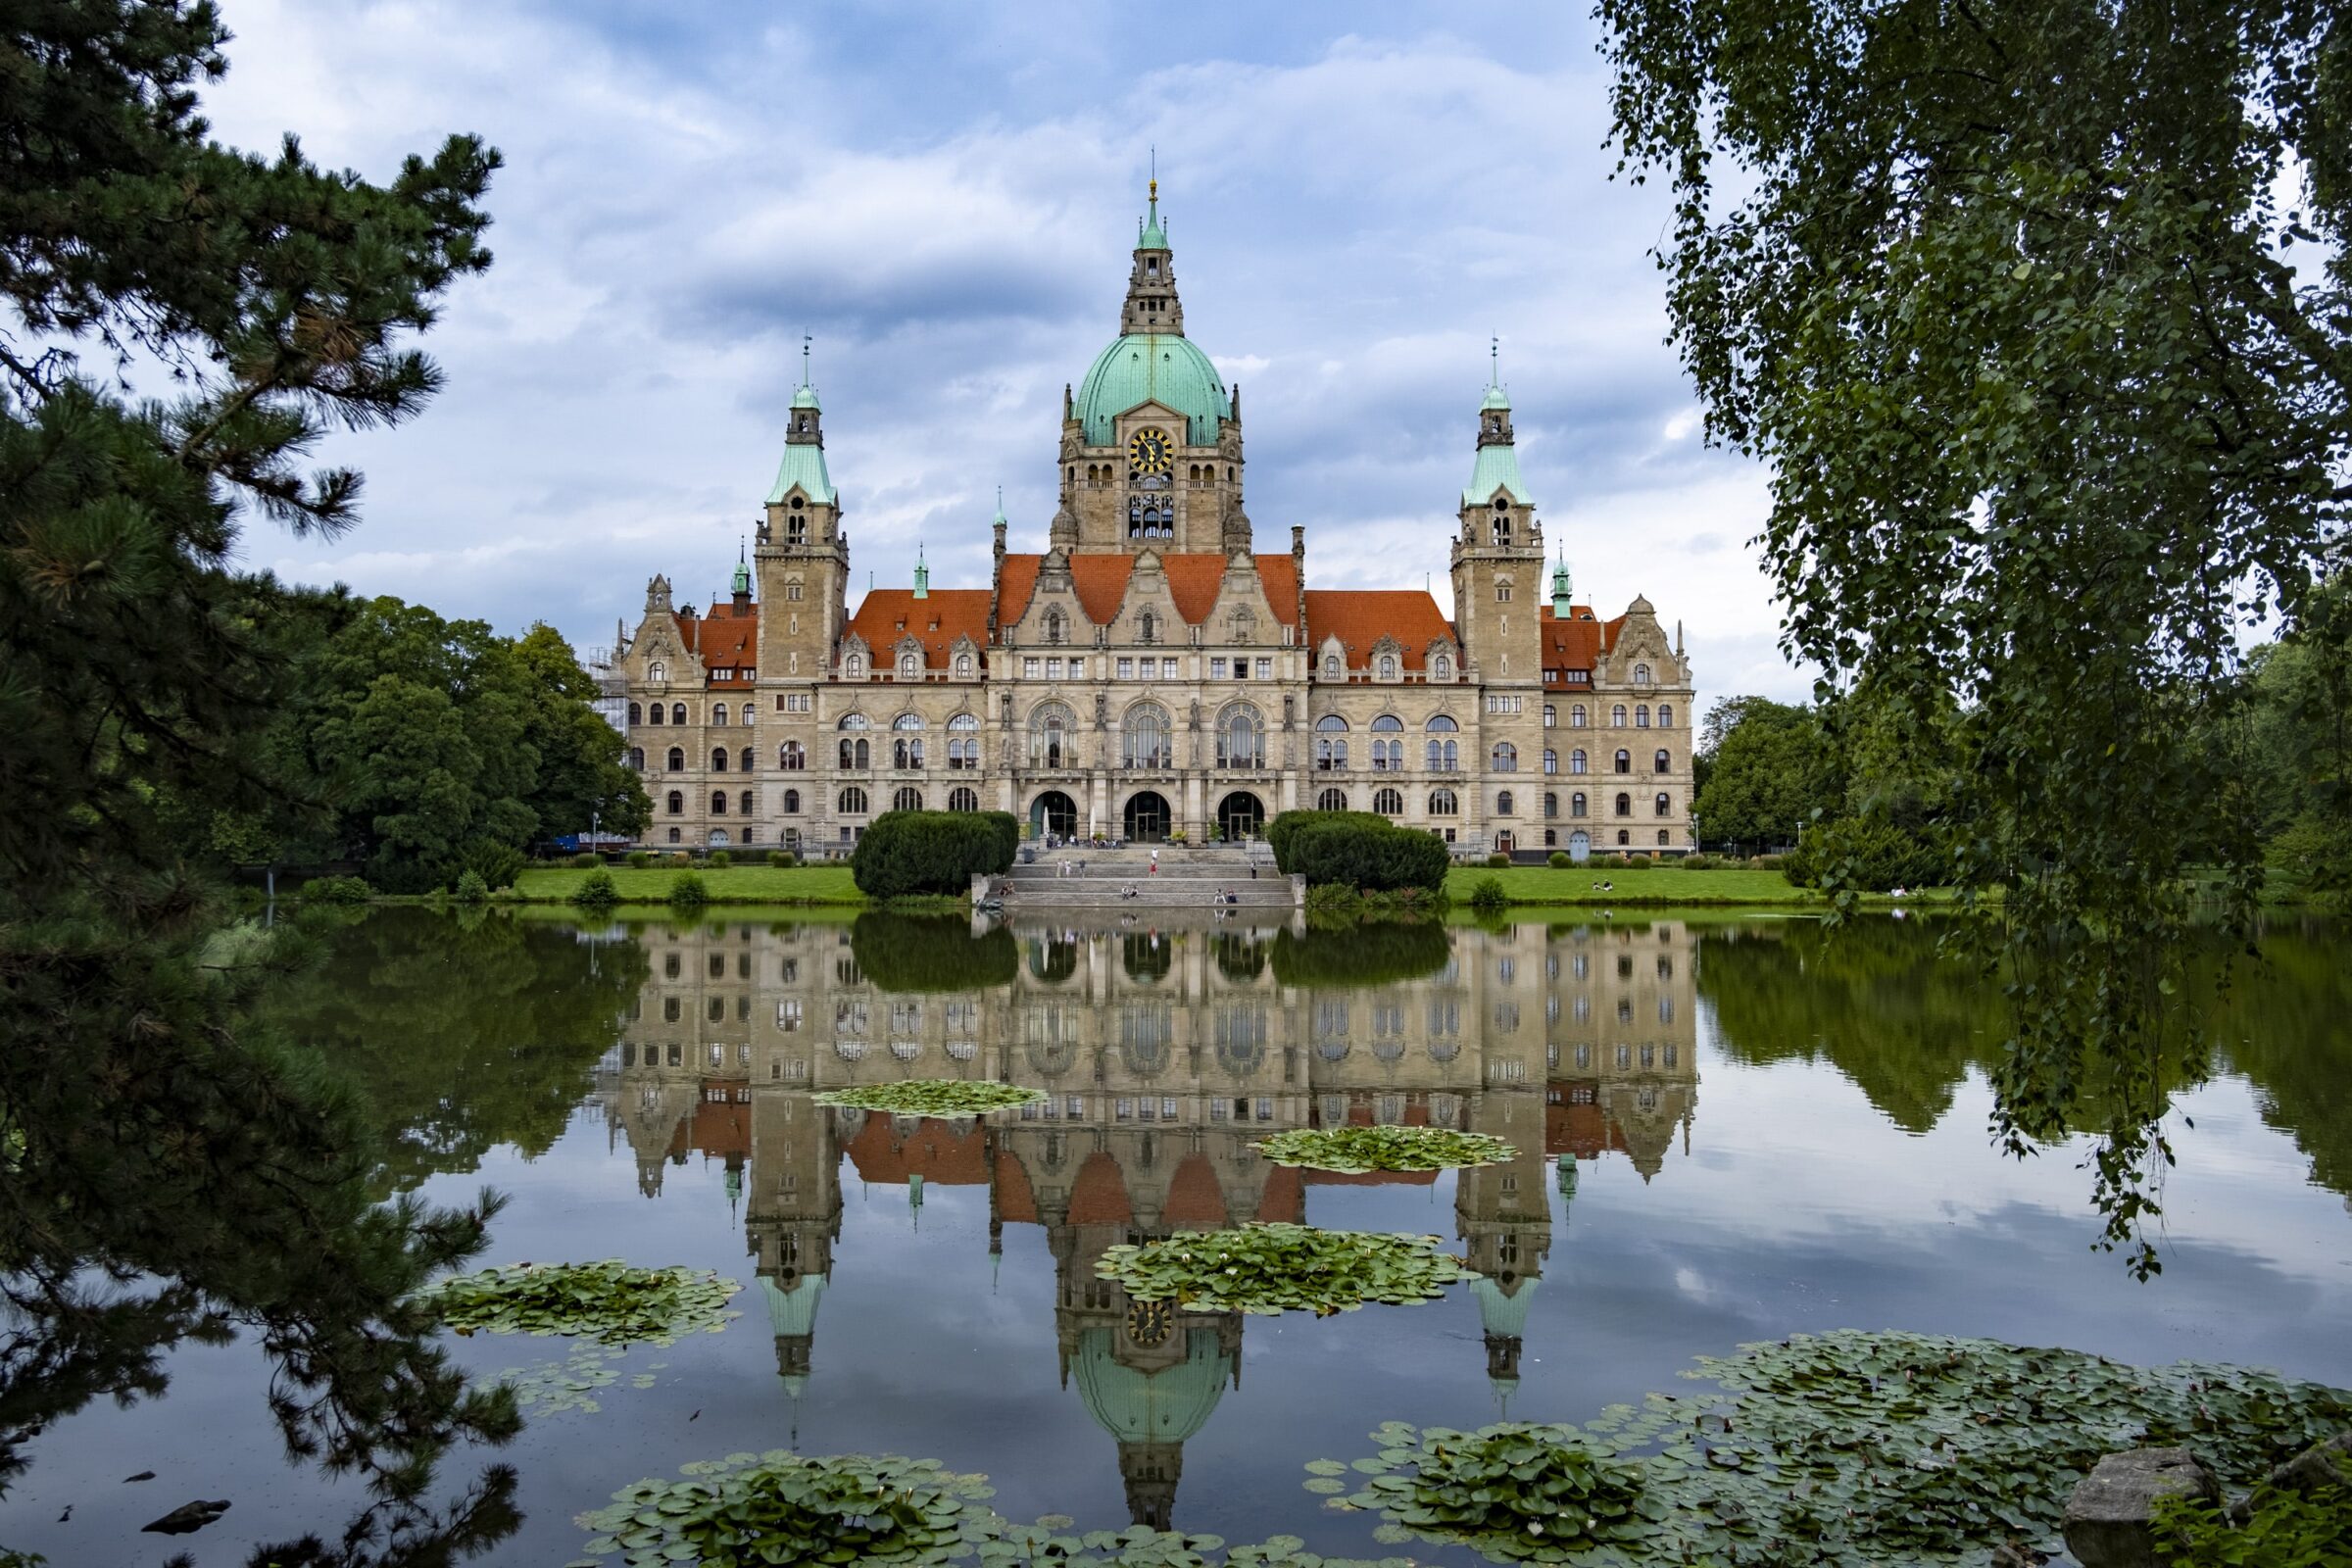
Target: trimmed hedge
933 852
1375 855
1279 832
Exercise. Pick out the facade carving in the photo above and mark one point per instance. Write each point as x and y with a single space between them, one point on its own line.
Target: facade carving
1155 670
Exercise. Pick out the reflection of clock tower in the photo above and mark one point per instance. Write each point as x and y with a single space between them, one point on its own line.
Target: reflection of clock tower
794 1216
1151 441
1504 1218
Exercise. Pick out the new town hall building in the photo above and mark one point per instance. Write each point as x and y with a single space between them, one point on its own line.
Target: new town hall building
1153 671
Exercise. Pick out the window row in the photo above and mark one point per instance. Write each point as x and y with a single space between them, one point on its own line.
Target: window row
1445 803
1579 719
852 800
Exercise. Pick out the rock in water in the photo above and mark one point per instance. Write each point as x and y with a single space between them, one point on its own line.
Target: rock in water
2110 1519
186 1517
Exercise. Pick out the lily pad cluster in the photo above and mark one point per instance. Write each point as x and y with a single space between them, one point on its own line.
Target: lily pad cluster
1841 1450
1358 1150
932 1097
574 1382
1282 1268
606 1300
778 1507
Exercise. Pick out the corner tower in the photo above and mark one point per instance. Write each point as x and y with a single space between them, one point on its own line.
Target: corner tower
1151 454
801 552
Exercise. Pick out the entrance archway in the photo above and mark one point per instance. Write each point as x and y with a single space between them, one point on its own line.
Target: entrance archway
1240 816
1054 813
1148 818
1580 846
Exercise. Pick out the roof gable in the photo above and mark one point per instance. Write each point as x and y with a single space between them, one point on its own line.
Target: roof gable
890 616
1361 617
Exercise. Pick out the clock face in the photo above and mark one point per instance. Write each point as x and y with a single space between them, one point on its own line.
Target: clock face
1149 1322
1148 450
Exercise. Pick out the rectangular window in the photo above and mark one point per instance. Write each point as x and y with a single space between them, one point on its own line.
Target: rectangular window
1216 1110
1125 1110
1077 669
1216 669
1029 668
1265 669
1167 1110
1168 670
1126 669
1265 1108
1053 669
1077 1107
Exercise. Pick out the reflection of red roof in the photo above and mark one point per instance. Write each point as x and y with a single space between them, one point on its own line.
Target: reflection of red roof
722 1127
935 1150
1016 1200
891 615
1099 1194
1579 1129
1285 1197
723 639
1195 1200
1101 581
1360 618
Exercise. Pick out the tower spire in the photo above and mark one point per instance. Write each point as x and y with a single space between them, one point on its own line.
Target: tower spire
1151 304
1559 586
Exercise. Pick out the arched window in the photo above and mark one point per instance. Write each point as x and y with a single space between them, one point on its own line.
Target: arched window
1443 804
1387 666
910 664
743 805
1506 757
792 756
1331 744
855 752
1387 756
1662 762
1143 740
744 717
792 802
677 759
1146 628
906 745
1551 715
1625 805
1665 803
656 673
1624 760
1665 1005
963 744
637 758
1049 744
719 758
1502 803
1441 669
1576 716
719 712
1331 667
718 802
1389 801
745 760
1640 674
678 713
1577 805
851 802
1577 761
1665 716
677 802
1617 715
1642 716
1332 800
673 835
1551 761
853 667
906 798
1441 724
1552 804
636 714
963 799
1241 738
963 666
1056 629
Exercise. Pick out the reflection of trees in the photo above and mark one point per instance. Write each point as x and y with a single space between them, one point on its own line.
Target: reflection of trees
1376 953
464 1033
2286 1027
1871 998
931 953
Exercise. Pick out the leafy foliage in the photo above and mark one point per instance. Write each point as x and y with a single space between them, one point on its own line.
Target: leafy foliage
931 953
2284 1528
2038 313
1282 1268
597 891
687 890
1356 1150
1358 849
1853 1450
933 852
1517 1494
1487 896
780 1507
932 1097
1371 954
606 1300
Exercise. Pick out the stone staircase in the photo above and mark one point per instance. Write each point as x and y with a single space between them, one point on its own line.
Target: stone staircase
1189 878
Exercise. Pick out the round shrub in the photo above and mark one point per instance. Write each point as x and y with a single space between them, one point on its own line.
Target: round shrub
1558 861
720 859
471 889
586 859
1498 862
933 852
596 891
1767 862
783 857
336 889
641 858
1698 862
1488 897
687 890
1359 849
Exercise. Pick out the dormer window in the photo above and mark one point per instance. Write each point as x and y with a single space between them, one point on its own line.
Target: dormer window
854 667
1441 667
1387 666
909 667
657 671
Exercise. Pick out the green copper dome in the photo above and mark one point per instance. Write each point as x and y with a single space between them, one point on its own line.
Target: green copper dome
1137 1407
1147 367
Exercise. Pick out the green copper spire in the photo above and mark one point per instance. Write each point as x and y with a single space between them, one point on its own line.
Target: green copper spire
804 461
1496 397
1497 469
805 397
922 573
742 585
1559 587
1153 237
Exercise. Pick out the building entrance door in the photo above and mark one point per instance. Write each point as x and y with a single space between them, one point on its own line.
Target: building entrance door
1054 813
1148 818
1580 846
1240 816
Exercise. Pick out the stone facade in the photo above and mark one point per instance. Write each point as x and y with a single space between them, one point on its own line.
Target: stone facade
1153 672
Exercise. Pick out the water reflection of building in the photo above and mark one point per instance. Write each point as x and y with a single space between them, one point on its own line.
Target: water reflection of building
1162 1056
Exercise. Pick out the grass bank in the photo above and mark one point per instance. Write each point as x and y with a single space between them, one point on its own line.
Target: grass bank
734 884
1639 886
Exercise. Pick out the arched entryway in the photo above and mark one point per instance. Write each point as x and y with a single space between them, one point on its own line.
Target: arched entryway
1148 818
1054 813
1580 846
1240 816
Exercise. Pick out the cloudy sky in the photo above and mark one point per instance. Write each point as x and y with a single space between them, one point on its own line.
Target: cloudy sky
943 199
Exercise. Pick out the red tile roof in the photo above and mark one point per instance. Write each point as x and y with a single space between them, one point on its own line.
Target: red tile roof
724 639
1102 578
936 1150
891 614
1360 616
1578 641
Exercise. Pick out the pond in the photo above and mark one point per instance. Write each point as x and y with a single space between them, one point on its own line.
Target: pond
1726 1130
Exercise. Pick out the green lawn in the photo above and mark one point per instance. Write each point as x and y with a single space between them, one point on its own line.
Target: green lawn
1541 884
736 884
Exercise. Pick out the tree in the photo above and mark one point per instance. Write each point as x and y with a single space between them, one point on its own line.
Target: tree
173 1169
2038 310
1771 770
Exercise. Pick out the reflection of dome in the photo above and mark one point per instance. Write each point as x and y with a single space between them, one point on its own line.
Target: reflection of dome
794 1310
1137 1406
1503 1312
1147 368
